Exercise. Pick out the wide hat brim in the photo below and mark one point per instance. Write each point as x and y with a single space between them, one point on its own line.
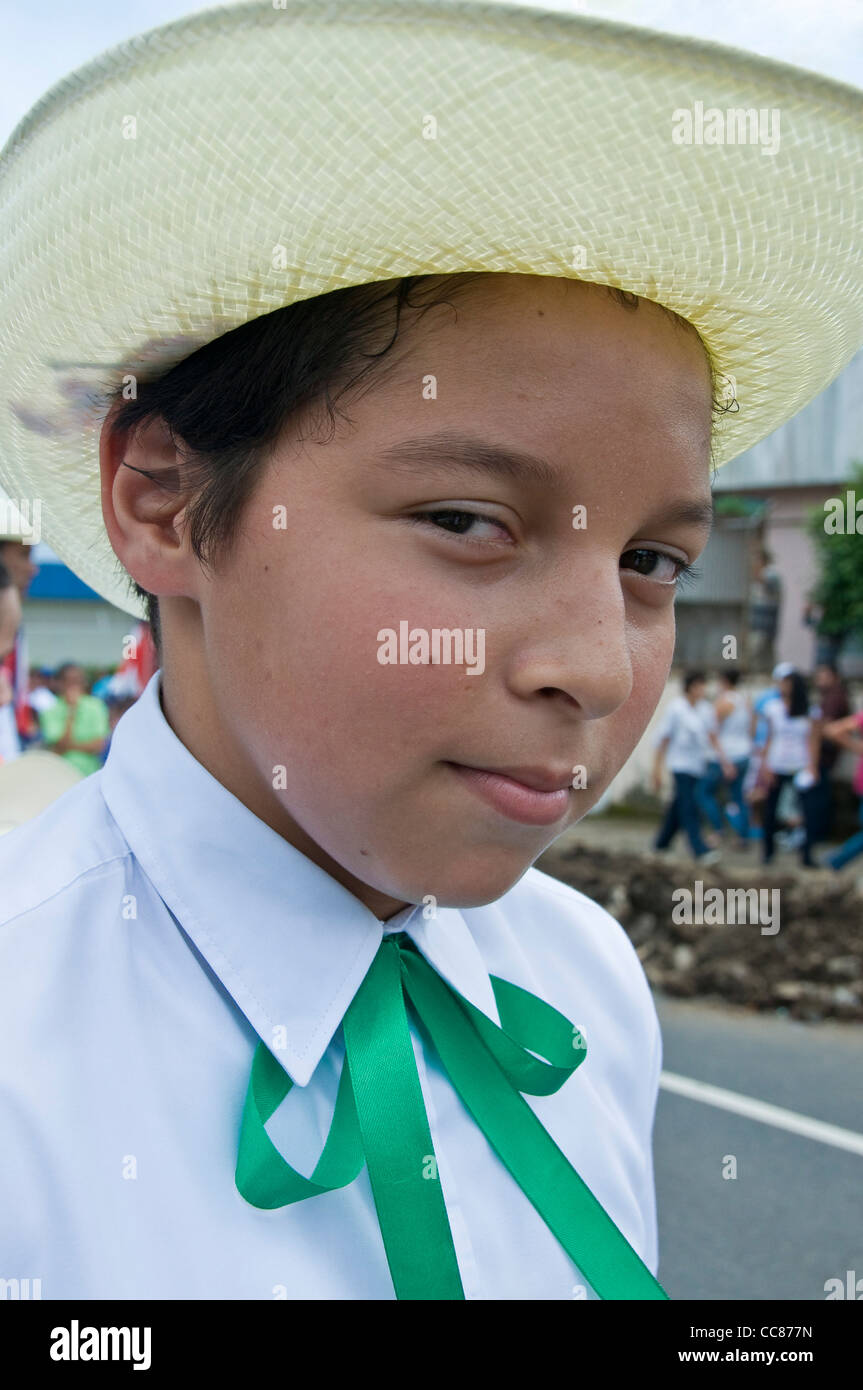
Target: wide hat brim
246 157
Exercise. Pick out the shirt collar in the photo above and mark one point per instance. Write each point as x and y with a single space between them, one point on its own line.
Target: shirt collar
289 943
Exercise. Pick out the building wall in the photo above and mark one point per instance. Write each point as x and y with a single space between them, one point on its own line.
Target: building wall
816 446
59 630
793 470
702 630
786 538
715 605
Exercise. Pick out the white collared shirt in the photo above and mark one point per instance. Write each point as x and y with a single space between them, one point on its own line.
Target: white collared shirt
152 930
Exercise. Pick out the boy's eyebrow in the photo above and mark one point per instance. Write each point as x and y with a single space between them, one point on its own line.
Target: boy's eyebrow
686 513
453 452
457 451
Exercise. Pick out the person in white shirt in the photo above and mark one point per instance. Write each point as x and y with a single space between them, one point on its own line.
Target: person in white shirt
754 786
790 755
733 714
684 740
711 777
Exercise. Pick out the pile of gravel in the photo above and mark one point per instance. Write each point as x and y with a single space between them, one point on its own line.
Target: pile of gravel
807 960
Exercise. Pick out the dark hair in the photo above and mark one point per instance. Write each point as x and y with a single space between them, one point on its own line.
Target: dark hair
5 577
692 678
732 676
226 404
799 702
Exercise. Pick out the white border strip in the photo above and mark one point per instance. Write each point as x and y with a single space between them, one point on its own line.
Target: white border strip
764 1112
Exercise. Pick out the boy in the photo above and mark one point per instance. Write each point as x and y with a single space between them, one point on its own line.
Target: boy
325 805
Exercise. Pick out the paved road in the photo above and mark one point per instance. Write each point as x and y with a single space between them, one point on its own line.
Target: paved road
793 1217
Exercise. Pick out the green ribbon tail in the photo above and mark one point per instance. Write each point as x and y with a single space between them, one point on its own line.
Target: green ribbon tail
396 1138
263 1177
567 1206
380 1119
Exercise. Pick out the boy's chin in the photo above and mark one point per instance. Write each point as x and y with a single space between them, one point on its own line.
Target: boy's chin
473 876
472 884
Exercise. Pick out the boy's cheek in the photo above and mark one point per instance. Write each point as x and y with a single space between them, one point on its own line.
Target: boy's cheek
626 727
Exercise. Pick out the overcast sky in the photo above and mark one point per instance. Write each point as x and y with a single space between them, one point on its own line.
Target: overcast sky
44 40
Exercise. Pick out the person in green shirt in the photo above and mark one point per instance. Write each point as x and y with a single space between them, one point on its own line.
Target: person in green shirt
77 725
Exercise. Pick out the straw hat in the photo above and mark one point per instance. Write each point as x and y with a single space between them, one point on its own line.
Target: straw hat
30 783
249 156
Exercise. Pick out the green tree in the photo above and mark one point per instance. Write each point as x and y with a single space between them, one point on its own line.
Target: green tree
837 595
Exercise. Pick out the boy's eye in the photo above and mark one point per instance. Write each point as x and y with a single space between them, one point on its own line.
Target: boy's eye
462 523
476 527
655 564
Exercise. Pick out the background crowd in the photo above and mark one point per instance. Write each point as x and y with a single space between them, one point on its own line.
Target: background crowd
745 765
67 710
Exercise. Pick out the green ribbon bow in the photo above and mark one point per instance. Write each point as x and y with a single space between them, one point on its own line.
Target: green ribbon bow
380 1119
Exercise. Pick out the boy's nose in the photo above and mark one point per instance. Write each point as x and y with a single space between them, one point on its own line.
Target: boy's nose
578 652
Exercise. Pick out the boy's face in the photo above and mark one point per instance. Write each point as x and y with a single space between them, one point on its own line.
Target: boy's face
72 683
10 618
16 558
274 665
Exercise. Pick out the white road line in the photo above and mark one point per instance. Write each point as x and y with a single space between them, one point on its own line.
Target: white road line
761 1110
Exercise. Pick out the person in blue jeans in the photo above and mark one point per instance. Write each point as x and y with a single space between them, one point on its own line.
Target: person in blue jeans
734 808
790 756
685 742
711 780
848 733
730 718
758 734
682 814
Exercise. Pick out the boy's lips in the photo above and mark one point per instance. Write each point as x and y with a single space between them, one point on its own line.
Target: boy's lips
532 795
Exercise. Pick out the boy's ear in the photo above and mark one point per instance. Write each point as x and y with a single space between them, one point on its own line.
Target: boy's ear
144 506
